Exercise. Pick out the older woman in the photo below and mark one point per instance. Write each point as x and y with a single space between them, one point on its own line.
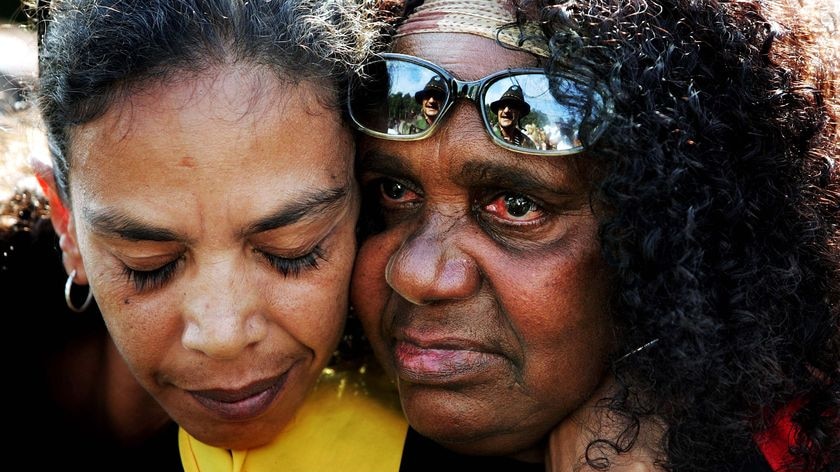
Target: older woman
658 287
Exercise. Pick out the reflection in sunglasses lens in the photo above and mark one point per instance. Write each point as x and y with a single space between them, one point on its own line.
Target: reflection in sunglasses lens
398 98
368 102
524 110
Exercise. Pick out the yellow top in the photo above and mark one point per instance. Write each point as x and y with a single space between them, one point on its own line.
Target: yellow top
343 425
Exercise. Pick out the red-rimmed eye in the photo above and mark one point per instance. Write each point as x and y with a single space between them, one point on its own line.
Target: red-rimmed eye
514 207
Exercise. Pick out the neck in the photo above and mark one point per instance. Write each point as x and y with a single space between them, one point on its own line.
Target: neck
569 441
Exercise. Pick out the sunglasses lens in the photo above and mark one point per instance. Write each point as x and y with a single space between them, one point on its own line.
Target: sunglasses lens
397 98
523 113
524 110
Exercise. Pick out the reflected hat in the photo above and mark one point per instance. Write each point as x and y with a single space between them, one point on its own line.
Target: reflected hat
514 96
434 85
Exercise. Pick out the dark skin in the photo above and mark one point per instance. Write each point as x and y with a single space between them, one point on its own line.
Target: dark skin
484 294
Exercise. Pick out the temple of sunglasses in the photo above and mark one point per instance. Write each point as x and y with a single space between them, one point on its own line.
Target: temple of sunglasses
404 98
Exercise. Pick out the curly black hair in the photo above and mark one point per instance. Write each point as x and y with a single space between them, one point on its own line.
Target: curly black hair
719 176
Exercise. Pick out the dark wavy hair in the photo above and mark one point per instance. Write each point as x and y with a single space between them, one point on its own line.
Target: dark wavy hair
95 51
719 177
719 185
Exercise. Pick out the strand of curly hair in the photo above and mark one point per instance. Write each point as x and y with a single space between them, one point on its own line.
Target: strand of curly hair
720 177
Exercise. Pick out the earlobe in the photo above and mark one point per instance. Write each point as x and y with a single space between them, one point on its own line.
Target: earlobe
70 255
62 222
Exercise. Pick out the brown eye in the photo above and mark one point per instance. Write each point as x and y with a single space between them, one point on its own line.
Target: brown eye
514 207
518 206
394 193
393 190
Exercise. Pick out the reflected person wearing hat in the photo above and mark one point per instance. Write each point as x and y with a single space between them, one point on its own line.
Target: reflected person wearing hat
431 99
509 109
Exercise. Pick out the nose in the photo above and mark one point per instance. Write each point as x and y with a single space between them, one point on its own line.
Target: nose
222 313
431 266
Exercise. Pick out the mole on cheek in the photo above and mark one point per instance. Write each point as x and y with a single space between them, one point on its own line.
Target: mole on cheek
127 301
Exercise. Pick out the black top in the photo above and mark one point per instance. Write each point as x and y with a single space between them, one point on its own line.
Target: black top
423 455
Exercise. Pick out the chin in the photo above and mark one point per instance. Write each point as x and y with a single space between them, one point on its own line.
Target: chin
239 440
233 435
483 443
443 419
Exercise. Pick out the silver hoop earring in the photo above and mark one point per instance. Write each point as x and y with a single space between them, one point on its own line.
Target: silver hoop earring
68 287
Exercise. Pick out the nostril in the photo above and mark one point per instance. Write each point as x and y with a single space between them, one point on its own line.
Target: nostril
425 271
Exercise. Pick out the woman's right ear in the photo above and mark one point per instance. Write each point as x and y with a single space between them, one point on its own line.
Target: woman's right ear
60 217
46 179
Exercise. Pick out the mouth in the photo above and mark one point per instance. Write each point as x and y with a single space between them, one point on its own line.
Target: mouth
245 403
440 363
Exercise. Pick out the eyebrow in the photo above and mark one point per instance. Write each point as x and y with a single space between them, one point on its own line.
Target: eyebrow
474 173
111 222
313 202
489 173
382 163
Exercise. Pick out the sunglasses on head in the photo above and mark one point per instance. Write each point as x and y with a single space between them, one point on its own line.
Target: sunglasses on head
404 98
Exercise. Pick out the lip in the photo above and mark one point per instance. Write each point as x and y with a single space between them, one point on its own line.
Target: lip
244 403
440 362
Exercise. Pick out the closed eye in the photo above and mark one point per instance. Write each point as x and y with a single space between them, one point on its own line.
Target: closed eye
146 280
293 266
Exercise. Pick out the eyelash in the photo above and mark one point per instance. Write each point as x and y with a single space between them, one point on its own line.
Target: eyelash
478 206
295 265
379 185
152 279
144 280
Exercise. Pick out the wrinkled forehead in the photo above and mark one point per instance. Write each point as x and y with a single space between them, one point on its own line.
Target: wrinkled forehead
466 56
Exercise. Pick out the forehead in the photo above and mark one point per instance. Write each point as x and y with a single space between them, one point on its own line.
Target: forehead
239 103
466 56
185 141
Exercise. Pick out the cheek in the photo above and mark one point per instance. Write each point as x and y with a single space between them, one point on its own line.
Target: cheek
317 321
314 313
144 331
561 316
369 290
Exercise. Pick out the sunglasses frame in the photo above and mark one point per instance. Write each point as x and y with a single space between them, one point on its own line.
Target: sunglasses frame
474 90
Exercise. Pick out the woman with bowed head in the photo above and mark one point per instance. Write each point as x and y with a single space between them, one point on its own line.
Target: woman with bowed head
654 286
204 177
